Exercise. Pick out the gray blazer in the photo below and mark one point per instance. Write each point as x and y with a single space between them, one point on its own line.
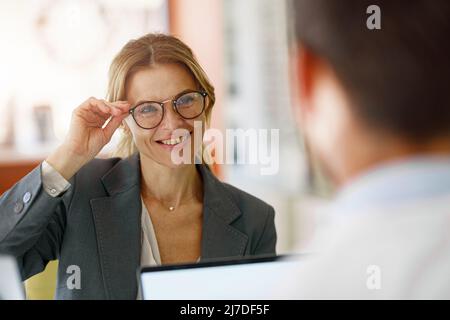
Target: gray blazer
96 226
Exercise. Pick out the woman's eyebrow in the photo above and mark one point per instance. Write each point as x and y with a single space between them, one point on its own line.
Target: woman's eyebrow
172 98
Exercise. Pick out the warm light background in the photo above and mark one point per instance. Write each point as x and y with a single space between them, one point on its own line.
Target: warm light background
56 53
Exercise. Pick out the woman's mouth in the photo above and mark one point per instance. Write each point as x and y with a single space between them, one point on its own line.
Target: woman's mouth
170 143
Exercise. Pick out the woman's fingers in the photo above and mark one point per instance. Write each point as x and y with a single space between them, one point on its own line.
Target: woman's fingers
123 106
106 107
102 107
97 110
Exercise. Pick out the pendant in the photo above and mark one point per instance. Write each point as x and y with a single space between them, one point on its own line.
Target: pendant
171 208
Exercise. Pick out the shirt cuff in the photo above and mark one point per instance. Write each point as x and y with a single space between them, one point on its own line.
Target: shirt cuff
53 182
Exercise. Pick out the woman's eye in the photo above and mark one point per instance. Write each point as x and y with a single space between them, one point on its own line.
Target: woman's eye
146 109
185 101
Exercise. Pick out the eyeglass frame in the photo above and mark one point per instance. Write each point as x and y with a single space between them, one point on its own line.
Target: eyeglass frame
174 107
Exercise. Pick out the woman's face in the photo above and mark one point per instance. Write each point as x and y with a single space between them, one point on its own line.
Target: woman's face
159 83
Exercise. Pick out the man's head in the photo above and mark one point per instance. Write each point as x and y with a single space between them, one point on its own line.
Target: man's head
369 96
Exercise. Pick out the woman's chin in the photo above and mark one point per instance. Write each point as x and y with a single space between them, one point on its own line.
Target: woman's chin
170 156
168 162
172 165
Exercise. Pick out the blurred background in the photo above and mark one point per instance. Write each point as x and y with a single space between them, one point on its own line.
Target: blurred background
56 53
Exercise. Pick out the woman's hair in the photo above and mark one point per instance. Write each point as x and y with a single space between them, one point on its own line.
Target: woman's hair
146 51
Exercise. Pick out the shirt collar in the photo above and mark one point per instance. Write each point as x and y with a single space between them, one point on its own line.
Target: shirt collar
397 181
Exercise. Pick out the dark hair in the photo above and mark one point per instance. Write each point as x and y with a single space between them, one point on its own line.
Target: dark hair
398 77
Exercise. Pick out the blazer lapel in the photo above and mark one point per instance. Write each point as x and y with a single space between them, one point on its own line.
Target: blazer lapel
118 227
219 239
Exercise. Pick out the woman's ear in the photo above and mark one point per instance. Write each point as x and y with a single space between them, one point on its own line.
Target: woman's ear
207 103
124 126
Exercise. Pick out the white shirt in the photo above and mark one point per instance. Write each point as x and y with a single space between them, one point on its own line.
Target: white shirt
389 238
150 251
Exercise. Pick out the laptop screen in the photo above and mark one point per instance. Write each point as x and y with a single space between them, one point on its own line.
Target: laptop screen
218 280
11 287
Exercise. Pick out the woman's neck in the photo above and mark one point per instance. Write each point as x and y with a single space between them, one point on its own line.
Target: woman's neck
170 185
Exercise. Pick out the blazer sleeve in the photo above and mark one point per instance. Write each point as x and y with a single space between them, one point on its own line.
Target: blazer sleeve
32 223
267 242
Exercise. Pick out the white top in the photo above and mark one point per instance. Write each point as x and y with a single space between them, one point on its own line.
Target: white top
150 251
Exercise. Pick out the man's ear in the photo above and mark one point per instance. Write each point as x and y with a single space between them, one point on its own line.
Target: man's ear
306 68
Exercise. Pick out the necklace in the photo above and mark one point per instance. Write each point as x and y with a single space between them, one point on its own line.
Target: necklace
170 208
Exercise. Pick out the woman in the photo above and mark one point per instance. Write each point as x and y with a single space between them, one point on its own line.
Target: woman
103 218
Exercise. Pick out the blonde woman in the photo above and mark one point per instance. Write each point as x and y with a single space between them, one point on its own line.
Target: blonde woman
107 217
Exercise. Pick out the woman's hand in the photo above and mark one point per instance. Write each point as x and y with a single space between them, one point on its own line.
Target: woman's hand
87 134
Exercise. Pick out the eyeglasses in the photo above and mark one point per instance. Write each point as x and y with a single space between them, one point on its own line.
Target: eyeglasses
189 105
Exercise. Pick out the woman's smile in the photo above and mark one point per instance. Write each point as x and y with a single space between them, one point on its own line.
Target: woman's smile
171 142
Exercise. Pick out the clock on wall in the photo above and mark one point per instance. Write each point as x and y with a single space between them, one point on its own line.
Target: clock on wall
73 32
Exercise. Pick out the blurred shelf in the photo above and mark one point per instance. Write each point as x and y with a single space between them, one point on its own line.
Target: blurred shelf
15 164
13 156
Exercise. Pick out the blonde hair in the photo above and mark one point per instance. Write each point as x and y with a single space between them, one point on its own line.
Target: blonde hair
148 50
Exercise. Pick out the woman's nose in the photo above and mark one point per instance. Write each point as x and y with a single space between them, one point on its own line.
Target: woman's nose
172 120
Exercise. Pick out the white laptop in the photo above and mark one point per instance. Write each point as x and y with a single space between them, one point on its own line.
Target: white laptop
241 279
11 287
